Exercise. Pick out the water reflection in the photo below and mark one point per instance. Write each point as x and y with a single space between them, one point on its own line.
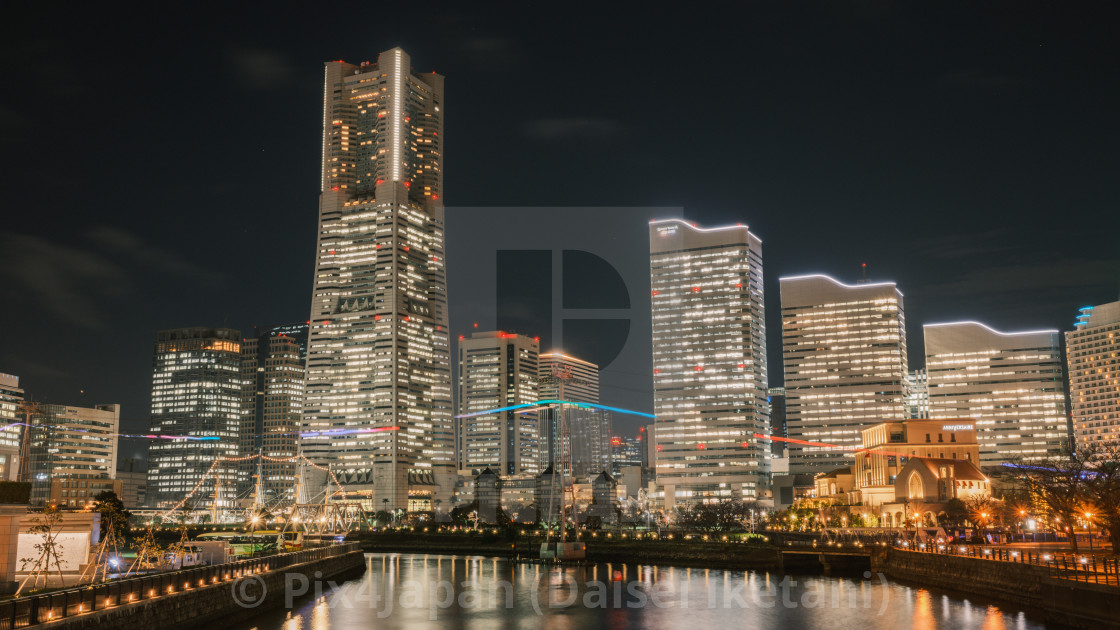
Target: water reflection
470 592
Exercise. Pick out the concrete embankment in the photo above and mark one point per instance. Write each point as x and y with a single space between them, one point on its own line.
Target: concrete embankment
1064 602
715 555
212 605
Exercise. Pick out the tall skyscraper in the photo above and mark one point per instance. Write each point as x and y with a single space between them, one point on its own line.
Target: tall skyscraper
917 394
583 386
1093 357
378 389
196 397
498 369
564 377
844 349
272 373
1011 384
11 396
72 444
589 438
709 360
777 398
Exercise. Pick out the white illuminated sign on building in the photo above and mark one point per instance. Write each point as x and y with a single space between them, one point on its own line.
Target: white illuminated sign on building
957 427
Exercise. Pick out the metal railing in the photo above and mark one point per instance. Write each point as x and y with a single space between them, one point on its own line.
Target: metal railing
1066 566
36 609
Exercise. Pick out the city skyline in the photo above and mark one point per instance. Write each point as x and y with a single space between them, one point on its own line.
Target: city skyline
997 142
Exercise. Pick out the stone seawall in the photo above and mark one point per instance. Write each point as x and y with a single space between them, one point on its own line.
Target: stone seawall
1064 602
219 605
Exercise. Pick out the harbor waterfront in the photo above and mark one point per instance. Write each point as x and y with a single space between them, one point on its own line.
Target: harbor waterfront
449 591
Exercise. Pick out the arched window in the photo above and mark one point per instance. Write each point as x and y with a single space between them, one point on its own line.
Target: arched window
915 486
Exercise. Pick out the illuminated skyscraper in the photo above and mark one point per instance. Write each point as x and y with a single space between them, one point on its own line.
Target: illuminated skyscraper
564 377
1011 384
917 394
709 360
844 349
583 386
378 360
11 396
196 394
1093 357
498 369
272 373
70 446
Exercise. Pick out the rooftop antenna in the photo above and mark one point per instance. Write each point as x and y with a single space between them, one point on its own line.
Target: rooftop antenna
863 268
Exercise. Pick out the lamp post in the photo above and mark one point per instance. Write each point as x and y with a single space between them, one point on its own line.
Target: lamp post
1089 520
253 537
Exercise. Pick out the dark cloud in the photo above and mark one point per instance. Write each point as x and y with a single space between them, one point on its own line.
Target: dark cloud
1040 279
981 79
574 129
963 246
261 69
76 282
148 256
67 282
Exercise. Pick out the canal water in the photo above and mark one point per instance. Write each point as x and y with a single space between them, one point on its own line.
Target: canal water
419 591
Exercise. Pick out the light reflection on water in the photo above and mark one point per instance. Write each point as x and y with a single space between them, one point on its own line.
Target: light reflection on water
470 592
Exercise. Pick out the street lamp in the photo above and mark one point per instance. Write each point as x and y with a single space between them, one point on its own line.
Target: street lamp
1089 520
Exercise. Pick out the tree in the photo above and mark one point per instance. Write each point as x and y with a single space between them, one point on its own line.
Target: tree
462 515
113 514
1102 491
956 512
1059 482
48 527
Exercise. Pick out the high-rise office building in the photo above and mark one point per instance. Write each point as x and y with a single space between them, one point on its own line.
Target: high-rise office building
589 438
11 397
1093 357
196 397
133 475
496 370
1011 384
580 379
627 451
73 444
377 404
272 373
709 360
844 349
917 394
777 398
564 377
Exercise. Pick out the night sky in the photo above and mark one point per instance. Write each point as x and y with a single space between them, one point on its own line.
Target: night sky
161 169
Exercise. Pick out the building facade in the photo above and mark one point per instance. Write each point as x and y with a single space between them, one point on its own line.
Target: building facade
564 377
1093 357
133 475
378 404
72 444
1011 384
844 349
11 437
777 398
888 446
917 396
589 440
272 377
497 370
709 360
196 401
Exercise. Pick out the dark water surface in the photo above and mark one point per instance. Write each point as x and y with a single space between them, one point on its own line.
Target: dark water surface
417 592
